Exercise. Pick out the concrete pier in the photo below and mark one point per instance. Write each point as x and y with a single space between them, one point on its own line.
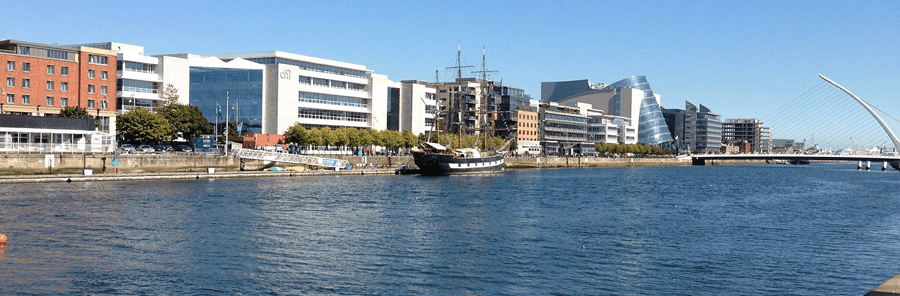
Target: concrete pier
889 288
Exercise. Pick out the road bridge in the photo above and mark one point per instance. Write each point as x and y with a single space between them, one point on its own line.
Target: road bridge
894 161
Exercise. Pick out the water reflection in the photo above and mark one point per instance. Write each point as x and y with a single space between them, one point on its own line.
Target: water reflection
586 231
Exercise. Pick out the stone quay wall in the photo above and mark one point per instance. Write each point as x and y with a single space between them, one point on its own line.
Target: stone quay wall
29 164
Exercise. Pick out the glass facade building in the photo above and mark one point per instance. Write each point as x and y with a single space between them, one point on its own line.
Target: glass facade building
244 88
652 128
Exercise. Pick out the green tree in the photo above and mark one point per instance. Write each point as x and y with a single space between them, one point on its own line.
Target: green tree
296 134
187 120
232 131
342 136
409 139
314 137
365 137
74 112
354 137
140 125
377 140
391 139
328 136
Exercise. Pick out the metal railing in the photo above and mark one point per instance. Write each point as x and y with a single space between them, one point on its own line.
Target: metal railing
290 158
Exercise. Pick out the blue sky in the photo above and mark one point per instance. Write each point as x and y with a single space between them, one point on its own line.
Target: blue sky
739 58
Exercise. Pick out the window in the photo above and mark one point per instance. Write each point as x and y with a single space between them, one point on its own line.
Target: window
10 82
26 99
104 75
49 85
90 88
104 104
10 65
49 101
63 102
64 71
94 59
26 67
26 83
64 86
103 90
10 98
50 69
91 74
90 103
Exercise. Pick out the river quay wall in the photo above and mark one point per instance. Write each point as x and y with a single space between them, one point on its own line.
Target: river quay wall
32 164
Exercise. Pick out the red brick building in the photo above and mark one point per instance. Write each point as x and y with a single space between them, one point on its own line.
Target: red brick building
42 79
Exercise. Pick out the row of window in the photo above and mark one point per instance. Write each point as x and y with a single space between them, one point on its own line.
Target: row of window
306 97
51 101
331 83
311 66
51 70
528 116
51 85
332 115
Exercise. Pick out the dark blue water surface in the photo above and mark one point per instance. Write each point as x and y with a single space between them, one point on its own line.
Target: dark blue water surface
823 229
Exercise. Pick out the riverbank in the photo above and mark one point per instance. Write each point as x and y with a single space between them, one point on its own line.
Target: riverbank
24 168
58 178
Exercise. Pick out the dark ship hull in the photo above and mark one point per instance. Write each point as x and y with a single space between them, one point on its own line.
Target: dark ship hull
445 164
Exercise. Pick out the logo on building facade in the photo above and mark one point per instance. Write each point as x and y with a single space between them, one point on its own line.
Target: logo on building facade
285 74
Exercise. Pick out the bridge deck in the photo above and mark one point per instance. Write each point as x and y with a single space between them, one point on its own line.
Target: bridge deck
822 157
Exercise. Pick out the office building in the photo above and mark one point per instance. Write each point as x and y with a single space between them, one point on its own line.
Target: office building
464 105
416 108
43 79
316 92
749 133
631 98
652 129
694 129
563 130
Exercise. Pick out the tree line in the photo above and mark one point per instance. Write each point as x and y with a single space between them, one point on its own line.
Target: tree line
143 126
349 137
629 148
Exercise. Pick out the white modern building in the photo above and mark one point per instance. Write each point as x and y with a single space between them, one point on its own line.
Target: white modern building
138 79
317 92
609 129
416 108
268 92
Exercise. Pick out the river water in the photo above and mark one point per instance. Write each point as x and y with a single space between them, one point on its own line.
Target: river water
824 229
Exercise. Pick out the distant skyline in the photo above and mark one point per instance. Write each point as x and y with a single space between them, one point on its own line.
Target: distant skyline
740 59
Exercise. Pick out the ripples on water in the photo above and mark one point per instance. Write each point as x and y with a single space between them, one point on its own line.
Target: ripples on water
727 230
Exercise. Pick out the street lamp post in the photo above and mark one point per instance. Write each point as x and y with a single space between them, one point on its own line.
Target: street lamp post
226 123
216 132
237 114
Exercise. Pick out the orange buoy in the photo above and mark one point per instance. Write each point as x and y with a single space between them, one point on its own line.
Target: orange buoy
2 240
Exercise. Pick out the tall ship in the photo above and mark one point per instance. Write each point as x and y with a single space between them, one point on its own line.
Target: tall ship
435 159
464 114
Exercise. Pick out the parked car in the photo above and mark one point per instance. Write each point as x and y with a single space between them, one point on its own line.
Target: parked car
145 149
127 148
163 148
183 148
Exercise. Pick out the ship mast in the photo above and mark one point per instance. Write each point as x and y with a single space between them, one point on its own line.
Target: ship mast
459 107
485 98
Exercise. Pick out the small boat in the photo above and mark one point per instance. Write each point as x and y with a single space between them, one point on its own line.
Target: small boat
435 159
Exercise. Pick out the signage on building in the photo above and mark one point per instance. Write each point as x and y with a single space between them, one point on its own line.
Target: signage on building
285 74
